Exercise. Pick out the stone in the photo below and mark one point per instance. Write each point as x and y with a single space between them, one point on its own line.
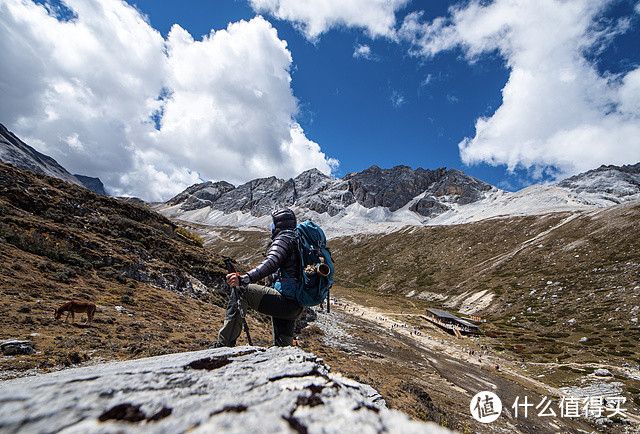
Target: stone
602 372
12 348
237 390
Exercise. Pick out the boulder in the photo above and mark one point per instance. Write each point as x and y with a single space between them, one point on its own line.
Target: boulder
12 348
242 389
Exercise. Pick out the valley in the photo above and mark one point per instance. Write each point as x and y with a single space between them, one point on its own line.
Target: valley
559 293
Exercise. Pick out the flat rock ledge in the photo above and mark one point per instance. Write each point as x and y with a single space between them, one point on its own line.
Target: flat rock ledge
235 390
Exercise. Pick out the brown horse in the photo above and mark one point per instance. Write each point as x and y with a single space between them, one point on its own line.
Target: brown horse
72 307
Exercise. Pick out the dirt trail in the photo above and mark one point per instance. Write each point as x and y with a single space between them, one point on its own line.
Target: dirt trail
473 373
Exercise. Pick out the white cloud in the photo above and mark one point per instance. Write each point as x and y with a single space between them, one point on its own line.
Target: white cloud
84 91
557 109
397 99
314 17
362 52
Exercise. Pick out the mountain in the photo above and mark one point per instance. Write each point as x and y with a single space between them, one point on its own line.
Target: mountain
312 190
612 183
392 197
93 184
382 200
17 153
60 242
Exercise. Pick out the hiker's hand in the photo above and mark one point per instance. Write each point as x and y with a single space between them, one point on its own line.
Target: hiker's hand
233 280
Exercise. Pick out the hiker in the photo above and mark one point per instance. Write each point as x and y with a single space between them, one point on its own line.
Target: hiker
283 265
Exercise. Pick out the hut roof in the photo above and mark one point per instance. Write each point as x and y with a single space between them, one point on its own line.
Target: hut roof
445 314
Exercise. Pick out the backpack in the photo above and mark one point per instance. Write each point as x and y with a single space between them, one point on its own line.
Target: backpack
316 265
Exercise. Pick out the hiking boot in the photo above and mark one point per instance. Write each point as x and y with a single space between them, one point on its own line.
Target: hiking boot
218 344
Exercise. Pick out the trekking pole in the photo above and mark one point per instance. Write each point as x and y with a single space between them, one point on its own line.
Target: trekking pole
236 291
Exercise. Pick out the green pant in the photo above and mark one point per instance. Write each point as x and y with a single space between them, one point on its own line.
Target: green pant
283 311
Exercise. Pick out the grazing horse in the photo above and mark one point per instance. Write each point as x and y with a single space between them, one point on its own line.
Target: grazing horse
72 307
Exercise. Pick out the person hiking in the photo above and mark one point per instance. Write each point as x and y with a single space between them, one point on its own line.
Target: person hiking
282 263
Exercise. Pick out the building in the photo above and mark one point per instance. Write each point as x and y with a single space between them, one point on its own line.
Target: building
451 322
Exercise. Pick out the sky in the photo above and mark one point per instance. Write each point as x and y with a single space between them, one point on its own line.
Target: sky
152 96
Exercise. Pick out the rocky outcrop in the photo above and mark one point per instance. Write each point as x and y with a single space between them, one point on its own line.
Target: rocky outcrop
244 389
374 187
201 195
11 348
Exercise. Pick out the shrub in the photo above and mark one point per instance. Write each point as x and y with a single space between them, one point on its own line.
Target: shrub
190 236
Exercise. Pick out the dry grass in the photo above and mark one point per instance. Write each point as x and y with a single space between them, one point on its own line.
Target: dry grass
60 242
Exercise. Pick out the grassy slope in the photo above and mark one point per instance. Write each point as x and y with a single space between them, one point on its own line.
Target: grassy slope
585 270
60 242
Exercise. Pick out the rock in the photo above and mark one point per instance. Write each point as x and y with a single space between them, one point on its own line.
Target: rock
12 348
602 373
242 389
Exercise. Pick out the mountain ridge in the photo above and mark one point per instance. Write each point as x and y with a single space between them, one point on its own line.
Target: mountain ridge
374 200
396 189
17 153
383 200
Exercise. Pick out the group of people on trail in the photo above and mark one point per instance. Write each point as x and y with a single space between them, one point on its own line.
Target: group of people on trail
282 268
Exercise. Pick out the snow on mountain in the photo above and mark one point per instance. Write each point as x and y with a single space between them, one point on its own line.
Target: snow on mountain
384 200
378 200
607 183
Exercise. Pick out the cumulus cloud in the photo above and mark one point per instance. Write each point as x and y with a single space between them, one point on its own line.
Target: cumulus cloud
558 111
106 95
362 52
315 17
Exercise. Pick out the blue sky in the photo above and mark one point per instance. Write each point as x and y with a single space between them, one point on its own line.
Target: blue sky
154 98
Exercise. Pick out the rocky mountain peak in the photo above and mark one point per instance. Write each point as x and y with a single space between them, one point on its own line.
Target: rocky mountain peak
312 190
612 182
17 153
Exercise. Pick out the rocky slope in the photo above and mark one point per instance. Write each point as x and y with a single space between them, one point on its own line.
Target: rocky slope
17 153
375 196
392 189
612 183
157 289
93 184
235 390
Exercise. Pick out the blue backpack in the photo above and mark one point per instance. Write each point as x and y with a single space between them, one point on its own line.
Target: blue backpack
317 266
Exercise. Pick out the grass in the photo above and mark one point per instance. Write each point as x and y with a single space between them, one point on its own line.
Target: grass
60 242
